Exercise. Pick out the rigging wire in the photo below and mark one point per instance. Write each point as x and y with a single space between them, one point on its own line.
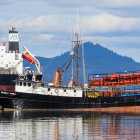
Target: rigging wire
48 65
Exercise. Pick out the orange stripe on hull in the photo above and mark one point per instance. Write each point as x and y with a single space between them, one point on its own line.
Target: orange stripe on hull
127 109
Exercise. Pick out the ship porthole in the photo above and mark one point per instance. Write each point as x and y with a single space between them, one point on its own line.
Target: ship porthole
24 84
29 84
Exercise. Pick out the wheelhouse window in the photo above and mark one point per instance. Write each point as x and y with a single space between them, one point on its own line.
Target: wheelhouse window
20 83
24 84
29 84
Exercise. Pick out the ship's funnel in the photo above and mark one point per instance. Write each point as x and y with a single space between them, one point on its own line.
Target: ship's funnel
13 40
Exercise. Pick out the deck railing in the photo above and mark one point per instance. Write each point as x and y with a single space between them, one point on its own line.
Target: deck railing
62 83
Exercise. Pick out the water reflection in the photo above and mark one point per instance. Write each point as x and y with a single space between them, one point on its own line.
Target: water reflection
62 125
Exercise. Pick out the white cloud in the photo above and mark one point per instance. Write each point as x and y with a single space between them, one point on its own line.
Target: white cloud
45 36
94 3
109 23
113 39
48 23
120 3
42 23
94 24
103 23
48 26
82 3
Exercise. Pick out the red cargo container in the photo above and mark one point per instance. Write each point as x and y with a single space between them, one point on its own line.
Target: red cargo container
137 76
107 83
113 77
102 82
121 82
127 82
115 83
106 78
126 76
120 77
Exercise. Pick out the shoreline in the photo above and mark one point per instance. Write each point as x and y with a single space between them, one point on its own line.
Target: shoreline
127 109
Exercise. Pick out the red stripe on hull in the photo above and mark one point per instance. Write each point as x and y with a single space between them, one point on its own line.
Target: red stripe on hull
7 87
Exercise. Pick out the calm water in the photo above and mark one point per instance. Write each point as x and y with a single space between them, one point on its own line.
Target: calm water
53 125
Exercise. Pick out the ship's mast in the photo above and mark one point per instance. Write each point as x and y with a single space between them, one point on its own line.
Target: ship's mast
77 65
77 53
72 47
76 41
77 58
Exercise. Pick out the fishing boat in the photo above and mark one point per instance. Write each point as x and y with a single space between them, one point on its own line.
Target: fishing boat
101 91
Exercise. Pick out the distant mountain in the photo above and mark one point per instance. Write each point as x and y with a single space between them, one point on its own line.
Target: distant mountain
97 60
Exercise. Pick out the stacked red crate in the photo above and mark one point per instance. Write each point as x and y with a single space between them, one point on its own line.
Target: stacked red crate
114 79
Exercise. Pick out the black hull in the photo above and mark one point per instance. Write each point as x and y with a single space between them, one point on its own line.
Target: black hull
35 101
6 79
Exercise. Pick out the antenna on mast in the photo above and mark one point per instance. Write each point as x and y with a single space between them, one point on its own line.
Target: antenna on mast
84 75
72 45
77 41
77 52
77 21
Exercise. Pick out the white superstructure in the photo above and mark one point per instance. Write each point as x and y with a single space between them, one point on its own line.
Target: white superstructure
36 88
11 61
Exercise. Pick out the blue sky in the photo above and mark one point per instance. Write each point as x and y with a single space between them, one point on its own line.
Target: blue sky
45 26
